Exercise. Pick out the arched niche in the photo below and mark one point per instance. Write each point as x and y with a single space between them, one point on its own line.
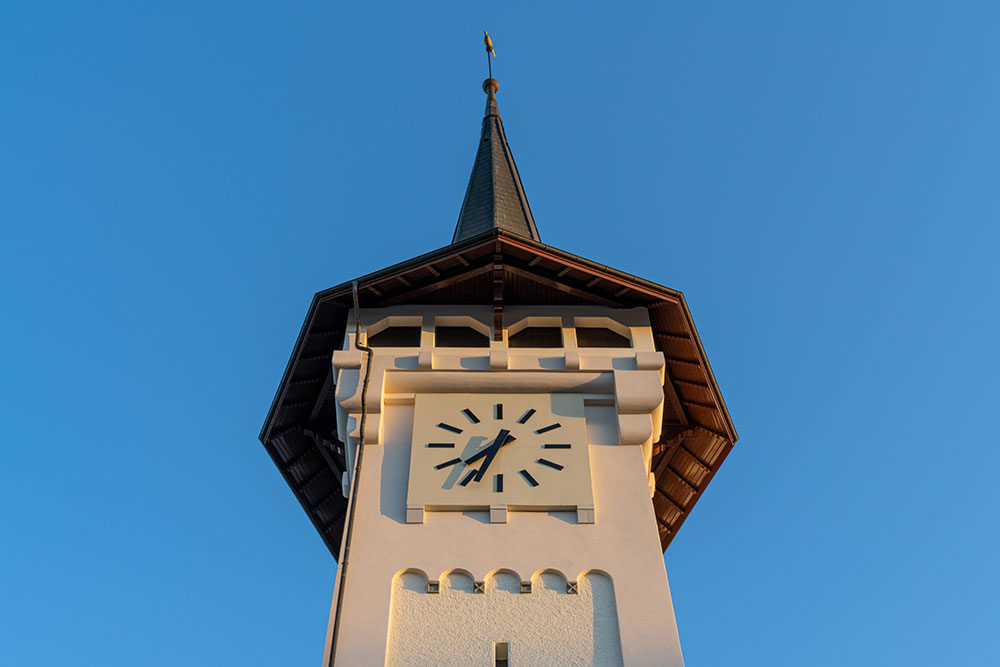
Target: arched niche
457 581
503 581
548 581
411 579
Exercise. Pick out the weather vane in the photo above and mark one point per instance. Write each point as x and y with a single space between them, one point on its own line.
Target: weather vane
489 51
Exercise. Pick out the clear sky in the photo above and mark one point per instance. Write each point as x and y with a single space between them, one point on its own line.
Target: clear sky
819 179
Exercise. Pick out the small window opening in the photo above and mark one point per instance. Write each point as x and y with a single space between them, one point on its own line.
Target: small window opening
396 337
459 337
500 651
536 337
600 337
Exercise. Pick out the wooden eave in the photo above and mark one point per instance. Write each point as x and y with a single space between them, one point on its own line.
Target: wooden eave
299 432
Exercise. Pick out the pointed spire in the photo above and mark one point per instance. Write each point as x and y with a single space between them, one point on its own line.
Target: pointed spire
495 198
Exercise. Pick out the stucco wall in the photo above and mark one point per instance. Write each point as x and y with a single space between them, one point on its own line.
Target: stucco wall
547 626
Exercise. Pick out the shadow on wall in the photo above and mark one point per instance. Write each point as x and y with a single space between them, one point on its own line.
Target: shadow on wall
458 619
395 473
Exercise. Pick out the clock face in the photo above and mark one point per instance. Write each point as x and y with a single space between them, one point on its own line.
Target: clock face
525 451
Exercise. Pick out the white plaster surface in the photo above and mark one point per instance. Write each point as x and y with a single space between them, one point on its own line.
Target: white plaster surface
545 627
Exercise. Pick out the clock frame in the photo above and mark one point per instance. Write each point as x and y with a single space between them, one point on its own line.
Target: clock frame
480 451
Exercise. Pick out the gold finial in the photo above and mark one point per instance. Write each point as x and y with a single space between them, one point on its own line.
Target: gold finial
489 51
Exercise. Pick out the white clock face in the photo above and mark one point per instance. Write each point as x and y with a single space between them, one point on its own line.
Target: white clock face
525 451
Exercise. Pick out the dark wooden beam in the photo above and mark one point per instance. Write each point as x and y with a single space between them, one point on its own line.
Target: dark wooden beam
498 268
691 383
323 392
413 294
295 460
604 273
297 404
555 284
664 524
313 477
671 501
670 390
691 487
698 404
327 455
308 380
686 362
674 338
697 458
317 357
328 497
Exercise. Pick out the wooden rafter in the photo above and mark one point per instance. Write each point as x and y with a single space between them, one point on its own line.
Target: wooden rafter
562 287
415 294
498 268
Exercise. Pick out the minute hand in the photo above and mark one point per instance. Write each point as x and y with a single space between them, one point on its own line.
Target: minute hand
499 442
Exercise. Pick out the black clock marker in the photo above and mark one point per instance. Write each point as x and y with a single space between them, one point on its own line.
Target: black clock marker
550 427
528 478
440 445
498 411
449 427
546 462
498 483
447 463
468 413
553 446
526 416
468 478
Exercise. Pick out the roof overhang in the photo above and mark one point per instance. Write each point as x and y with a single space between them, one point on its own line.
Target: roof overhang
299 432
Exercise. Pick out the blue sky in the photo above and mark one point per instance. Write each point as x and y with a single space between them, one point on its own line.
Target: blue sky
819 179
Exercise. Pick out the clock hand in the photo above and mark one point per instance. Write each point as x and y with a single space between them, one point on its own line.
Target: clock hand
501 440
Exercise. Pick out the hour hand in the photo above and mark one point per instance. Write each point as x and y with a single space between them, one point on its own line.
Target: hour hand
478 455
502 438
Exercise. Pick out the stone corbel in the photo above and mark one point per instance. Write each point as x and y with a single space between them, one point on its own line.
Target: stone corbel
347 359
639 401
347 365
373 427
651 361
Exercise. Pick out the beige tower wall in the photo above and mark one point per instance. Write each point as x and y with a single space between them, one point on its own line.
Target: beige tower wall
549 627
623 612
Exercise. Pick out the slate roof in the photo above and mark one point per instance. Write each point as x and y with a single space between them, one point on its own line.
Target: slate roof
495 198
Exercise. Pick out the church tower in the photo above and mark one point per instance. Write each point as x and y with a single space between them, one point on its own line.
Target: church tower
498 440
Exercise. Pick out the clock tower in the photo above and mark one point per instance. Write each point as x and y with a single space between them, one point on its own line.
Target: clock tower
498 440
